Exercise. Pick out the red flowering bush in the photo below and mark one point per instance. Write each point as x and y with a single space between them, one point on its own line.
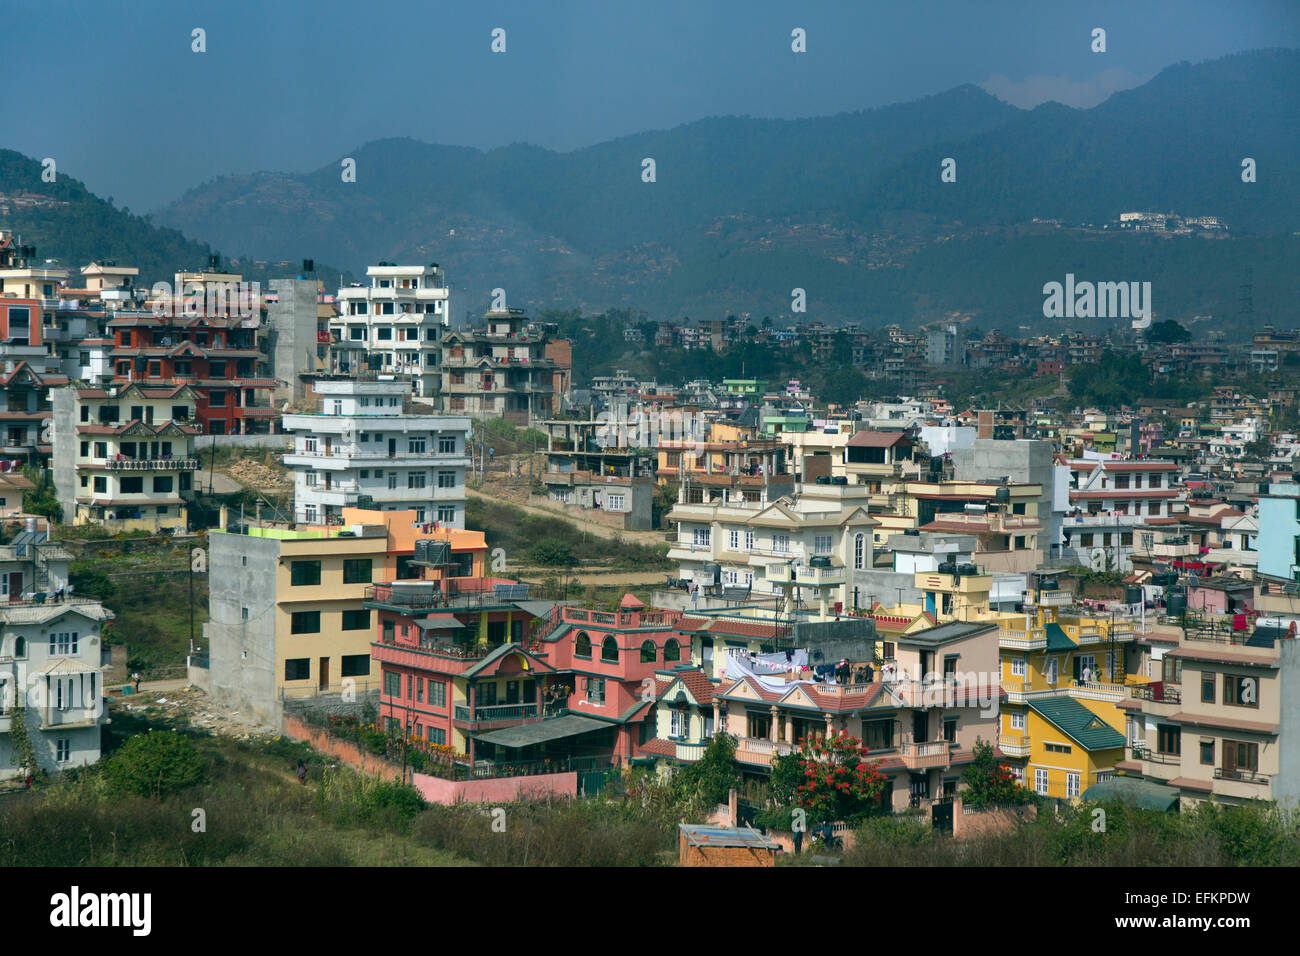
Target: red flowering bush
990 782
839 782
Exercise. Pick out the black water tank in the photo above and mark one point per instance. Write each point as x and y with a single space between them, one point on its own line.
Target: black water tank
839 480
823 479
1177 602
1132 595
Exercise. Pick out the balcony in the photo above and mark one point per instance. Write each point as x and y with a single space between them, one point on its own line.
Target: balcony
1241 775
152 464
759 751
1050 599
806 576
691 752
1014 745
1035 639
1141 751
495 713
1158 692
926 754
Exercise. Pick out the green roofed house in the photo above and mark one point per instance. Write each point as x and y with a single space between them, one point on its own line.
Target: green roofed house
1072 747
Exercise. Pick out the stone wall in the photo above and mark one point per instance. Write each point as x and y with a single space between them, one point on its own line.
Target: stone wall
496 789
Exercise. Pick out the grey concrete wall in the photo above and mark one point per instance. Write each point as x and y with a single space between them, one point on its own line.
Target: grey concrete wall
883 586
1026 460
1286 785
246 441
242 652
292 340
63 460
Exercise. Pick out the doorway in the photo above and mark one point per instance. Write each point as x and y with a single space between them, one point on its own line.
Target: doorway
324 673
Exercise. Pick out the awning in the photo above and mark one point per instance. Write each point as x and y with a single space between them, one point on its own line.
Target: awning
439 622
525 735
1145 794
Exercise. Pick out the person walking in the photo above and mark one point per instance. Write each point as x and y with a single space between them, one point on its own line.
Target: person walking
302 772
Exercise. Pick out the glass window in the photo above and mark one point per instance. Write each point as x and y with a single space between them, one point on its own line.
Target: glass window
356 620
304 573
297 668
609 650
582 645
304 622
672 650
649 653
357 570
355 665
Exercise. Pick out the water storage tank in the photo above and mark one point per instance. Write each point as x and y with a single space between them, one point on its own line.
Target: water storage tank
839 480
1177 602
1002 495
1132 595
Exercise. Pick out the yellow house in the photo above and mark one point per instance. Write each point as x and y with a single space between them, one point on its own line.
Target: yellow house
1063 678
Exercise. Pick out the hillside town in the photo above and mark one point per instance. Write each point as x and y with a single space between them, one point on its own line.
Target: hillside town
930 581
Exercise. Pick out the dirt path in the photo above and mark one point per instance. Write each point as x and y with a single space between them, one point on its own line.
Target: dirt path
600 530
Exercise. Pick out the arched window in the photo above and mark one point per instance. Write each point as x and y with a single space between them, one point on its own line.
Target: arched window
649 653
582 645
859 551
609 650
672 650
20 647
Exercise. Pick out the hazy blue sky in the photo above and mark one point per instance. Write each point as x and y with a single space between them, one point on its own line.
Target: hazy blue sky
114 93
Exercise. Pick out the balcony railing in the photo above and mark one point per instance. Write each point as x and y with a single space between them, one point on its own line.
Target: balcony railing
1142 751
1242 775
1158 692
1014 745
493 712
926 754
152 464
759 750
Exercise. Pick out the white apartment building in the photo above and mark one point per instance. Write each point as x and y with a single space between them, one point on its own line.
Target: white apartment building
397 321
361 450
52 659
1107 501
816 542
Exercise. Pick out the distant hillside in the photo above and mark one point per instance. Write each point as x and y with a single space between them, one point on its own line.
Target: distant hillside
85 227
849 207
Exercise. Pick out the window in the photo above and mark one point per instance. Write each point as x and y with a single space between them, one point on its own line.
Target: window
162 484
437 693
1169 739
64 643
446 514
392 684
822 544
878 734
1240 691
357 570
216 399
304 622
446 445
1040 781
950 730
131 486
733 540
1071 784
355 665
781 543
415 479
446 479
1017 721
1018 667
297 668
681 722
417 445
1207 752
701 537
609 650
304 573
582 645
749 541
437 735
859 551
649 652
595 690
672 650
1207 688
1238 755
63 749
1057 748
615 502
1049 672
356 620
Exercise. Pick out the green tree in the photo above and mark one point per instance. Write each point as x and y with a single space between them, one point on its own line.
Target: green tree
1167 331
553 554
156 764
41 499
989 781
705 784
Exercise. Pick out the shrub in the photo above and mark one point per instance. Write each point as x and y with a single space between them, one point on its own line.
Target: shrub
156 764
